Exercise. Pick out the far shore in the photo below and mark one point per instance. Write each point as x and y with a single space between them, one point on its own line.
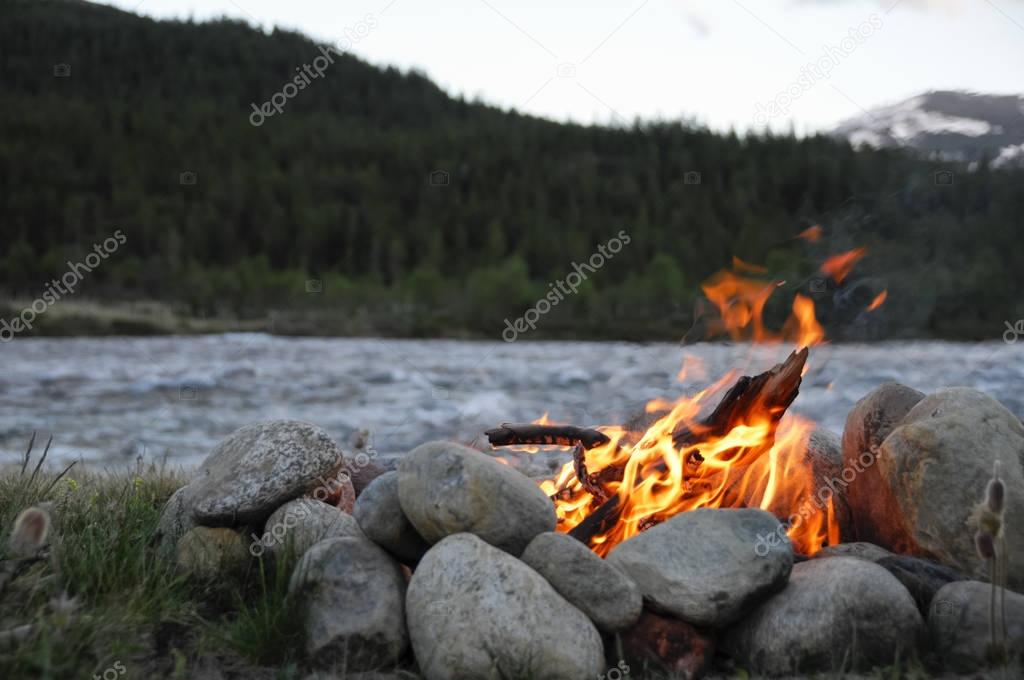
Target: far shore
140 318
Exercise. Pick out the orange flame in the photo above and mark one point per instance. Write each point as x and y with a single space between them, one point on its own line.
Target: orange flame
878 301
811 234
741 266
840 266
760 462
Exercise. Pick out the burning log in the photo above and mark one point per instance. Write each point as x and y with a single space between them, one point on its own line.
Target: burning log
580 438
768 393
548 435
595 483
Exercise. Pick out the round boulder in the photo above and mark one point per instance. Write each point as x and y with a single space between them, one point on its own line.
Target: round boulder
936 465
353 595
381 518
867 425
708 566
599 590
175 521
921 577
838 613
476 612
959 628
302 523
445 489
258 468
209 553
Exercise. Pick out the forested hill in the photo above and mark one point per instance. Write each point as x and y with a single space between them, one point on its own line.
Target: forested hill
426 214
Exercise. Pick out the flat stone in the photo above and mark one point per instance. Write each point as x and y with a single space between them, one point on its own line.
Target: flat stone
707 566
381 518
353 595
474 611
835 613
606 595
260 467
445 489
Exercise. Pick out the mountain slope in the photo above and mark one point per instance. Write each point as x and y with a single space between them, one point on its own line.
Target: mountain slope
961 126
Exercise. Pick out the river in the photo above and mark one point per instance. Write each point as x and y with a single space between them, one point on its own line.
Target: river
108 401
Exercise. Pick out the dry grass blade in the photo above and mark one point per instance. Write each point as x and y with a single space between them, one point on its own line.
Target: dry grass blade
58 478
28 452
42 459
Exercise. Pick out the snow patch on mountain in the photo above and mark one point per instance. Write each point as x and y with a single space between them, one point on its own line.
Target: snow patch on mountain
1009 156
960 126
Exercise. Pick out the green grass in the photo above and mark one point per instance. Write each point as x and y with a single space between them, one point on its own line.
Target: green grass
129 608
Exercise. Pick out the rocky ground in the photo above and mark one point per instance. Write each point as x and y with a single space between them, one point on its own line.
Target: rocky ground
286 556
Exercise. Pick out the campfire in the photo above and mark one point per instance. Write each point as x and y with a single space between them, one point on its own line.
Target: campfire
660 544
745 452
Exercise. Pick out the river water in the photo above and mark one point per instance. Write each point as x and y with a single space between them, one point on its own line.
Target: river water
108 401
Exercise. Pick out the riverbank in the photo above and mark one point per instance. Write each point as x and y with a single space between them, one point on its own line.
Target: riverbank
344 317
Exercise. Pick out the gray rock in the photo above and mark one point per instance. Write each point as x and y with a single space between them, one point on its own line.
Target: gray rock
381 518
445 489
858 549
211 553
835 614
353 595
921 577
958 626
606 595
867 425
304 522
707 567
175 521
936 465
363 470
476 612
258 468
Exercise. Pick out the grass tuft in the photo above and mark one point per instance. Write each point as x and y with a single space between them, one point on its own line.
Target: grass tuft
100 598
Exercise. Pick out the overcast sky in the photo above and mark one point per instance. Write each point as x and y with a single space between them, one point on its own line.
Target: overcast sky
725 63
